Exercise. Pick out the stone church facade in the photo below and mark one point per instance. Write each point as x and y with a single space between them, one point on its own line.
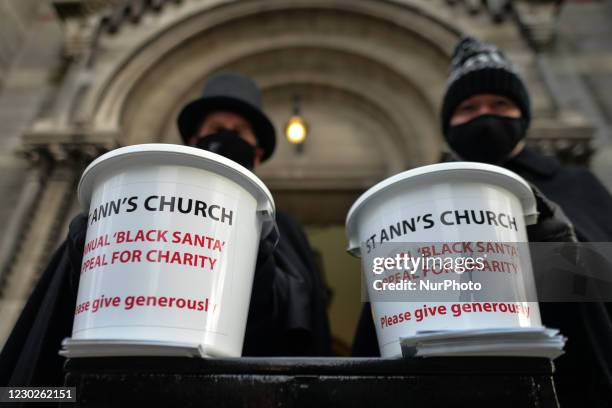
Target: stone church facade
81 77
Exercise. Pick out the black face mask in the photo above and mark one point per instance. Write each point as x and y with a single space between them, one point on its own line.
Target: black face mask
487 138
228 143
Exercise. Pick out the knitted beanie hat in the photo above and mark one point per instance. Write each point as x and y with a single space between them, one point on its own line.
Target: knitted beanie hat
481 68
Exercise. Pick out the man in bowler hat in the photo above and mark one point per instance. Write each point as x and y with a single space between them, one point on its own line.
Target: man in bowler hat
287 314
288 303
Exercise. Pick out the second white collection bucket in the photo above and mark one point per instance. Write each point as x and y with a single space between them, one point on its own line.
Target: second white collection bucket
433 204
172 240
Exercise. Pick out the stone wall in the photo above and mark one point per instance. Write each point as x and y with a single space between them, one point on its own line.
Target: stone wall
16 19
30 45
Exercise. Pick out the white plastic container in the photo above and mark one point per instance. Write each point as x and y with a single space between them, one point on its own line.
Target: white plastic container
172 241
439 190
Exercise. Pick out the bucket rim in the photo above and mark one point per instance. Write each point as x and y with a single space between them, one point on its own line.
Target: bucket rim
170 154
498 175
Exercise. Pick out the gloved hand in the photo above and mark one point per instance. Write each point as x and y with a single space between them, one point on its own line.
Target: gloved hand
267 246
552 225
77 232
265 268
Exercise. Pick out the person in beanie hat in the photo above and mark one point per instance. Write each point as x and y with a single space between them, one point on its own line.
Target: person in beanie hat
288 309
486 108
485 117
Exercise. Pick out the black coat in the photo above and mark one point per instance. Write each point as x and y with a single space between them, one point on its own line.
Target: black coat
287 315
587 362
584 373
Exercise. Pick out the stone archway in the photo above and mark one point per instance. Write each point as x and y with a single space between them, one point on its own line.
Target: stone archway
372 103
369 75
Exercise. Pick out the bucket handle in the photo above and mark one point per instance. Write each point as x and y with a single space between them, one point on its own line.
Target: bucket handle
354 249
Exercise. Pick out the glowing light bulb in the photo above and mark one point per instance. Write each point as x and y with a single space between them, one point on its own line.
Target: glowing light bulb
296 130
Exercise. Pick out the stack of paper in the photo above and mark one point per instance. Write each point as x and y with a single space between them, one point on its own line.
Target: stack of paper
523 342
73 348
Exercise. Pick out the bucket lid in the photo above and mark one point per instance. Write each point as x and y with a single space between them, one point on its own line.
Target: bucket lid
172 154
447 172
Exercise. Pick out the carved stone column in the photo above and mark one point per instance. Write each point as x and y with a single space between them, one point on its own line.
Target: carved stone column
50 192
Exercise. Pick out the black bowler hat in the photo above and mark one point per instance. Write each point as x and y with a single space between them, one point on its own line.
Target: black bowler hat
233 93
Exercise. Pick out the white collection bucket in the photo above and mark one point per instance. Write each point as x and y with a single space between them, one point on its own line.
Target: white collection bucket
437 192
171 247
